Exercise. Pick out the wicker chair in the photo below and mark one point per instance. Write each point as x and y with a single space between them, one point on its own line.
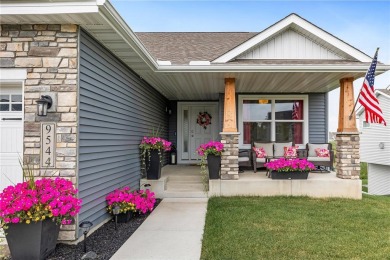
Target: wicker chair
271 149
321 162
244 159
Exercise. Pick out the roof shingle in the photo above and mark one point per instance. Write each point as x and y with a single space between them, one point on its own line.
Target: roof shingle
182 47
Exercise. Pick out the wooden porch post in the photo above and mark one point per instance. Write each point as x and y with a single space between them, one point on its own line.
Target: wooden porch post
347 102
229 113
347 137
229 134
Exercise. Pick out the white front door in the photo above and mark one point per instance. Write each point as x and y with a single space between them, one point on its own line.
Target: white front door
190 134
11 134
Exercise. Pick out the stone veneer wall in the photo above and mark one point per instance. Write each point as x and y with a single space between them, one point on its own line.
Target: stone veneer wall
49 53
348 156
229 160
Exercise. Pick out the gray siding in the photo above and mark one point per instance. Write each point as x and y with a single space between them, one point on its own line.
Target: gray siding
378 179
173 123
371 136
117 109
318 118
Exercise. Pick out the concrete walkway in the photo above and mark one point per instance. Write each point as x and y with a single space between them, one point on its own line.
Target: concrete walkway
173 231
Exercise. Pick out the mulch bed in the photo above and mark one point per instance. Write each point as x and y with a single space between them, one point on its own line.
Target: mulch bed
104 242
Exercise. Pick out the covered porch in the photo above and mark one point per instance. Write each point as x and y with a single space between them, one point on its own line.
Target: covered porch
185 181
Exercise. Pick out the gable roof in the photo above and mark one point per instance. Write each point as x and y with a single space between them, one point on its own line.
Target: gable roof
303 27
183 47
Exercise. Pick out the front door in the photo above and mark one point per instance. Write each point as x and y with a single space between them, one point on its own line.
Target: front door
190 134
11 135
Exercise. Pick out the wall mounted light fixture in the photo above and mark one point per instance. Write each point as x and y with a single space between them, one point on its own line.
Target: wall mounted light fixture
43 104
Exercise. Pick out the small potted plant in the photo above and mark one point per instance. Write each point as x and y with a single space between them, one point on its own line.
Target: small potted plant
211 151
289 168
144 201
152 149
123 200
31 214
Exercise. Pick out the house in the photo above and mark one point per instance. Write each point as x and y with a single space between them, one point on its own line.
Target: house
375 146
110 87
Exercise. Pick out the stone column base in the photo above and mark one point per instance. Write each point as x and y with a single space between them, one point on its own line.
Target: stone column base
229 160
347 155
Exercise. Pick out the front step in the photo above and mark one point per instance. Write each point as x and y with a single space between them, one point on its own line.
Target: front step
185 194
184 186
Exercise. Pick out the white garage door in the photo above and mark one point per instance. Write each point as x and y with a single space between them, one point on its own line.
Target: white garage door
11 134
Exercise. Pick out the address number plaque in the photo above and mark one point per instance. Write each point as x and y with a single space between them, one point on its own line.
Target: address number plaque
48 144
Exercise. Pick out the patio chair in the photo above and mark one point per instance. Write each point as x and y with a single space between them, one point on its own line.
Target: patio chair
244 159
271 149
322 163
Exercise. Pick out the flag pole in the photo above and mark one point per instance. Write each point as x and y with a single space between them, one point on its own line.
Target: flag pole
353 110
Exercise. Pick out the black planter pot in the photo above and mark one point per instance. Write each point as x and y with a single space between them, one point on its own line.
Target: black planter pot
33 241
289 175
214 165
153 167
125 217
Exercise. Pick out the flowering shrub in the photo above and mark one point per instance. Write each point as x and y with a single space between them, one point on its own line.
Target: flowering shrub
144 201
141 201
38 200
212 147
289 165
122 198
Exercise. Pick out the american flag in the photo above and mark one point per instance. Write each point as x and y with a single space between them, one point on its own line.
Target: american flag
367 96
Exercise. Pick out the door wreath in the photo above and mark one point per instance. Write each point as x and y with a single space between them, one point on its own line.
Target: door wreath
204 119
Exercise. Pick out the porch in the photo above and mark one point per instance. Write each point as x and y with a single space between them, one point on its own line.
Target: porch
185 181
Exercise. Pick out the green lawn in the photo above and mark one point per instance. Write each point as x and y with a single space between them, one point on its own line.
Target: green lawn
297 228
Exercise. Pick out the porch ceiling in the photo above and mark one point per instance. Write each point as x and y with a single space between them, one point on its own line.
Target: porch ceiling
207 86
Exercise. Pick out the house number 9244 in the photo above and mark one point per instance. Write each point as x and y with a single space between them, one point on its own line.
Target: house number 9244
48 145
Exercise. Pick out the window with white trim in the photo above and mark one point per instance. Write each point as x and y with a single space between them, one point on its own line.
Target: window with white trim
273 118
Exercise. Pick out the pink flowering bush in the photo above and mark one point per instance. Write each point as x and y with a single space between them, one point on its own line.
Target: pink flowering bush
138 201
38 200
122 198
144 201
289 165
212 147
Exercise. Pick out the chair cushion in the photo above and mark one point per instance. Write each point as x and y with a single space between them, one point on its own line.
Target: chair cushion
260 153
243 159
318 159
322 152
268 147
290 151
313 147
279 148
260 160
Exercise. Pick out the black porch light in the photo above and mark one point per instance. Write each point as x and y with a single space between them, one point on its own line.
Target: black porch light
43 104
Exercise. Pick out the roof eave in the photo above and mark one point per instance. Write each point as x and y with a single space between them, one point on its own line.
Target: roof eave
270 68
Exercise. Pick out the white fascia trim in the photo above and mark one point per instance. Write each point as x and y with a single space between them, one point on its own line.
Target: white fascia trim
116 22
279 26
13 74
381 93
49 8
270 68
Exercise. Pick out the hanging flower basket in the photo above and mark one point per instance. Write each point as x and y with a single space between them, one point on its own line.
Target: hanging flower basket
204 119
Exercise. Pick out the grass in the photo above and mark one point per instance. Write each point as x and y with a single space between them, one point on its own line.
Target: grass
297 228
